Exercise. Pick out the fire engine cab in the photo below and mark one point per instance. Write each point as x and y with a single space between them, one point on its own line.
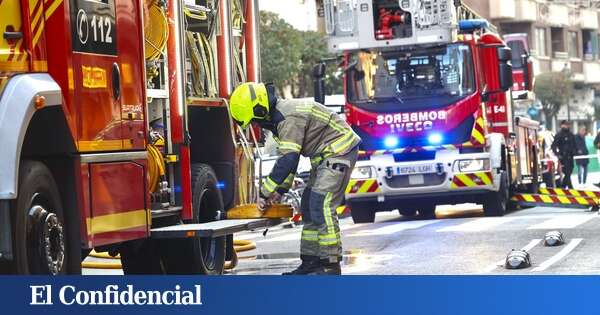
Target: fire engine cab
428 89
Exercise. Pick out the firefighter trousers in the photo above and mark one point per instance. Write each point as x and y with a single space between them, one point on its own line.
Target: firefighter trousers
322 196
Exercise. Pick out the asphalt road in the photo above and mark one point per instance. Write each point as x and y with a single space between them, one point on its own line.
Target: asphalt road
460 241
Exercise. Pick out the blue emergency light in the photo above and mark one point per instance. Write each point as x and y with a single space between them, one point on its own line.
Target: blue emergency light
390 142
435 138
473 25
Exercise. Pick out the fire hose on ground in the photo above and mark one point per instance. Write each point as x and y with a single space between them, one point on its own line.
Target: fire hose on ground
115 263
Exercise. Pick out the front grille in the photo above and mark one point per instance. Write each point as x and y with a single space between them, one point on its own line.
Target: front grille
401 181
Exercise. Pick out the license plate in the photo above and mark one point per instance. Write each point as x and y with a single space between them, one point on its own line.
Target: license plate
416 180
416 169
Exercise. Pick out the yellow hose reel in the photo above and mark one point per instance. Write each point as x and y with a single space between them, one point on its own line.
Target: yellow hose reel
156 31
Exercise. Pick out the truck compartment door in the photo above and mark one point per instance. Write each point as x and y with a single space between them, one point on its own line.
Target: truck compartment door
118 202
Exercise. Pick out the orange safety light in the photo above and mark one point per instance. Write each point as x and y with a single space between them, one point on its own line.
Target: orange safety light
40 101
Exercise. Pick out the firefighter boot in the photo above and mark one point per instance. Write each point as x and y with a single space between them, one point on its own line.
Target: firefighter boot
309 264
327 268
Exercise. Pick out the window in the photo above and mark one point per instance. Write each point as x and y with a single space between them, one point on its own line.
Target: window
416 78
589 44
540 42
558 41
573 45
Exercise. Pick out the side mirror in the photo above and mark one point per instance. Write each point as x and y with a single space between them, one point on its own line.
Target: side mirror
504 54
505 75
319 82
319 70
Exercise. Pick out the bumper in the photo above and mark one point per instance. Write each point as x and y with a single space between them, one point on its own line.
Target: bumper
391 202
447 186
5 231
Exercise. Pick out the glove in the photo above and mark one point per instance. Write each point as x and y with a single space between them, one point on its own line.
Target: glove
275 198
263 203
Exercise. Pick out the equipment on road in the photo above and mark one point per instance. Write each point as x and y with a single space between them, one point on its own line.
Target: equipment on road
517 259
251 211
116 135
563 198
429 89
554 238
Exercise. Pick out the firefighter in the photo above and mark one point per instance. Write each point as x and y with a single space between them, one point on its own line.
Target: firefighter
565 148
303 127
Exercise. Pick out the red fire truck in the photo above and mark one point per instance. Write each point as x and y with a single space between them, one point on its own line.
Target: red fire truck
115 134
428 88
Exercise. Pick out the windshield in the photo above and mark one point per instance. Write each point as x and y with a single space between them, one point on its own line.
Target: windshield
412 77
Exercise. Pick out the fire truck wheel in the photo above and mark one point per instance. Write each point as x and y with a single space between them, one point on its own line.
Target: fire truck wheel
427 212
408 212
199 255
496 203
40 233
140 257
362 212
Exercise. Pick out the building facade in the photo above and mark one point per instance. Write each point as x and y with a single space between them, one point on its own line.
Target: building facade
563 36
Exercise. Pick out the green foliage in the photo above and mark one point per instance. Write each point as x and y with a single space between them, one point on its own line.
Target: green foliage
553 89
280 50
289 55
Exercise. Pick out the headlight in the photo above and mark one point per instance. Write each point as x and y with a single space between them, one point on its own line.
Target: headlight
474 165
362 172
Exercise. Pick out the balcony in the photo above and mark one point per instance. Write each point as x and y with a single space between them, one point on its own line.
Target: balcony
526 10
590 72
503 9
589 19
558 15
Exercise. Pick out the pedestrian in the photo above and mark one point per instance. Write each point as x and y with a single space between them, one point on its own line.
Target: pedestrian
582 150
564 147
310 129
597 146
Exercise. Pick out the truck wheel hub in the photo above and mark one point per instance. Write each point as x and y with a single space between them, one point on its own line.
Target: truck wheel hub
50 234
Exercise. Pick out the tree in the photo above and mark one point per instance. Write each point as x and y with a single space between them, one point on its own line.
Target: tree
289 55
314 50
280 51
552 89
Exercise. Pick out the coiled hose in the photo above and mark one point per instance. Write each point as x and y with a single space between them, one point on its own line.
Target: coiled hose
115 263
156 166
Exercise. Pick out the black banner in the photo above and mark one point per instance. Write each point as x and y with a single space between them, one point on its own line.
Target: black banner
93 26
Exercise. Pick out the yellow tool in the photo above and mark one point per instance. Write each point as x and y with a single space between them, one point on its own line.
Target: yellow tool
251 211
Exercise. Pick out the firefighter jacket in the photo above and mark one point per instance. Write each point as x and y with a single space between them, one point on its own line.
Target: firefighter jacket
303 127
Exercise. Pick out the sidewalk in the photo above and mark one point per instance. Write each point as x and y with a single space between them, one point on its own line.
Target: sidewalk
593 178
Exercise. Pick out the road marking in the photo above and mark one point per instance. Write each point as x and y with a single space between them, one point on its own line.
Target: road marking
562 222
500 263
560 255
392 228
477 225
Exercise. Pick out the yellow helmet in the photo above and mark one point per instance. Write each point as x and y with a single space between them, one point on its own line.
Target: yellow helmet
249 101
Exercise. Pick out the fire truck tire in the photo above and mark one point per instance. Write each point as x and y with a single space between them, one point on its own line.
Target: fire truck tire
140 257
427 212
362 212
41 236
408 212
496 203
199 255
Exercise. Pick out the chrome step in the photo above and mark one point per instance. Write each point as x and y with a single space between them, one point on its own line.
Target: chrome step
212 229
